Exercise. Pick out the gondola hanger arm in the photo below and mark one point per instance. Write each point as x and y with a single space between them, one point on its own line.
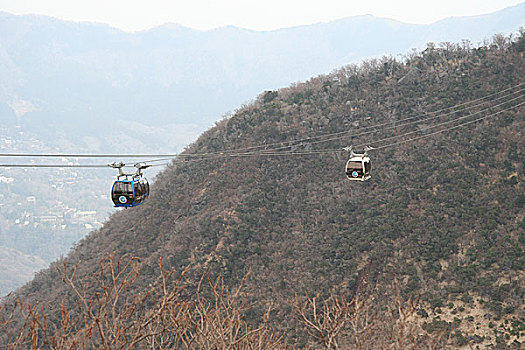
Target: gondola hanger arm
139 167
121 165
353 154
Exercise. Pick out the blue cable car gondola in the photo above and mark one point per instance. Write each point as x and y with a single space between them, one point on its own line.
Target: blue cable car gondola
130 189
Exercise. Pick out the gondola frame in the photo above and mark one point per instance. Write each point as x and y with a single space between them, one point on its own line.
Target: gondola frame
133 203
365 173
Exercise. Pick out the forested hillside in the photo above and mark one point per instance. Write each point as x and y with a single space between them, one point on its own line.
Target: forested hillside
78 87
443 215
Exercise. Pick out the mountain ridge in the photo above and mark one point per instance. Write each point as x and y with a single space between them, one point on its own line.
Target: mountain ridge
74 48
175 25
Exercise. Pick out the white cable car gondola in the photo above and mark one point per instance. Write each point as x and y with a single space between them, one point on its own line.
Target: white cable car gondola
130 189
358 166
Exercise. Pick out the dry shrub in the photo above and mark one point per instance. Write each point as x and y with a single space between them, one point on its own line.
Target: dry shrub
364 322
105 313
108 316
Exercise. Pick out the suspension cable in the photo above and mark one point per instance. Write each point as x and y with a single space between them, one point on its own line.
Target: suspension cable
342 134
275 152
164 157
67 165
326 151
313 152
405 124
54 166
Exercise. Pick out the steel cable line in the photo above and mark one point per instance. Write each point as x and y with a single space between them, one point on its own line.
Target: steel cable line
313 152
53 166
380 140
65 155
400 125
286 153
444 123
211 155
326 151
172 156
65 165
398 136
348 131
448 129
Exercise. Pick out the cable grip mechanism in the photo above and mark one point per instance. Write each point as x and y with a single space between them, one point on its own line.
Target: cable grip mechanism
353 154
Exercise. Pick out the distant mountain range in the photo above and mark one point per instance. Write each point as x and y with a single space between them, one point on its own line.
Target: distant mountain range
92 87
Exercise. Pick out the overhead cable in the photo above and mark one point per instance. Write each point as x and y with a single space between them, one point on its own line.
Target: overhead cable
337 135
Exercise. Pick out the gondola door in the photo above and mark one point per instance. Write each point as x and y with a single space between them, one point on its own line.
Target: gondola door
123 193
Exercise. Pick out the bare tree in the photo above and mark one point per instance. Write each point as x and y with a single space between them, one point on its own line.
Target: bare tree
365 322
108 315
324 320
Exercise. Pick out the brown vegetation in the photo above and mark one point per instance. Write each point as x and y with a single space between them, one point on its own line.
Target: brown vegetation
213 317
362 323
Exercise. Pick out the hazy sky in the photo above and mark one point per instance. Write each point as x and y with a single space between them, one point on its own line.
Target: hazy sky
132 15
